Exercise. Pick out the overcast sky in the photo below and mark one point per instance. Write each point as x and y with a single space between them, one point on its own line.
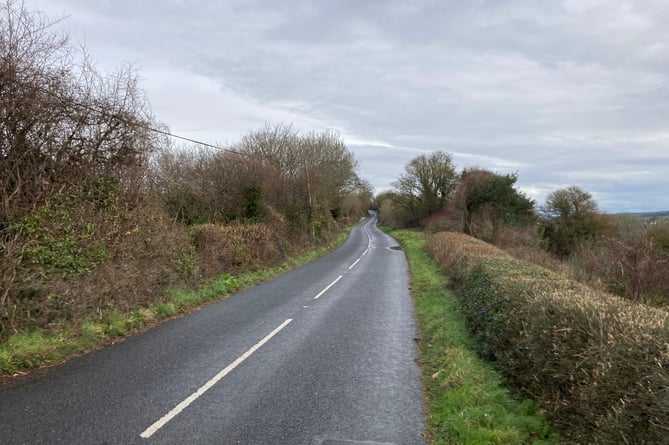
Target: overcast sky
562 92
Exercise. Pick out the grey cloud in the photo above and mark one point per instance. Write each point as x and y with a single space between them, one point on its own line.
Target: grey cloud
558 89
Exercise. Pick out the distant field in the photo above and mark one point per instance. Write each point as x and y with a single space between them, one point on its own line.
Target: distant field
650 215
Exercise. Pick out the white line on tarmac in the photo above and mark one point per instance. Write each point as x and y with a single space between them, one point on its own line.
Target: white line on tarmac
328 287
353 265
365 252
190 399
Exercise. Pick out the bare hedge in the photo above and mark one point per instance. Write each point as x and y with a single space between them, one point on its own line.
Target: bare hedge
226 248
597 364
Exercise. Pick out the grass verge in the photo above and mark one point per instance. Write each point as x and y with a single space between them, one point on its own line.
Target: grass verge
25 351
594 362
465 399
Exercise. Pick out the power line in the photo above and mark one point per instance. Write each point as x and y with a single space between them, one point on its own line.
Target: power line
139 124
195 141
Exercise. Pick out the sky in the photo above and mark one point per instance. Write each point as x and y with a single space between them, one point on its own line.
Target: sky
572 92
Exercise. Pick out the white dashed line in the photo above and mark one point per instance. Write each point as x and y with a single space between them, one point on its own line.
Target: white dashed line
328 287
353 265
190 399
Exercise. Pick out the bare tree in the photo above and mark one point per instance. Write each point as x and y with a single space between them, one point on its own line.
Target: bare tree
570 218
427 184
314 170
60 126
71 140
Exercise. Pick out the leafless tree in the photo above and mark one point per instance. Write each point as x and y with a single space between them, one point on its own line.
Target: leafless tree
427 185
68 135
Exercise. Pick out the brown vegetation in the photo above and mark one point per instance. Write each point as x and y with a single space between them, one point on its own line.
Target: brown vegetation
74 148
596 363
425 187
478 202
624 255
227 248
628 261
100 214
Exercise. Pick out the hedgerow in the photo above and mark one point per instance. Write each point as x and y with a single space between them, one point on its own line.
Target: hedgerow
596 363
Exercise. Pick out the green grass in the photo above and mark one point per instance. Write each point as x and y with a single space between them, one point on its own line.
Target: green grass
27 350
184 299
465 398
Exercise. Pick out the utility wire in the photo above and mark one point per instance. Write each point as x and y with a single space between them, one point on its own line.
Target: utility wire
139 124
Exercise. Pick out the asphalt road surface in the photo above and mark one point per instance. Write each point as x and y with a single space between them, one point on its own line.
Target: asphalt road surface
324 354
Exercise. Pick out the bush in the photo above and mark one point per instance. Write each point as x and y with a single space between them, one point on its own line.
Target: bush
598 364
74 153
457 253
659 233
59 241
631 263
223 249
524 243
144 253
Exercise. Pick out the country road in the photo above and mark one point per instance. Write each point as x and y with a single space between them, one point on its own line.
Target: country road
324 354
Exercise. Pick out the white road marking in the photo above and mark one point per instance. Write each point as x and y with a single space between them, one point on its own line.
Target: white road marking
190 399
353 265
328 287
365 252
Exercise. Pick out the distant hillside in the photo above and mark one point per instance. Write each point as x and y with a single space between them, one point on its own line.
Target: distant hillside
663 214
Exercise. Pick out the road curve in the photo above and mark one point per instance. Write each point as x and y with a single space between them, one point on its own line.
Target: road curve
324 354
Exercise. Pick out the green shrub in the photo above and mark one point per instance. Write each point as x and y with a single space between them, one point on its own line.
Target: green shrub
465 399
91 332
115 324
597 364
59 242
222 285
165 310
